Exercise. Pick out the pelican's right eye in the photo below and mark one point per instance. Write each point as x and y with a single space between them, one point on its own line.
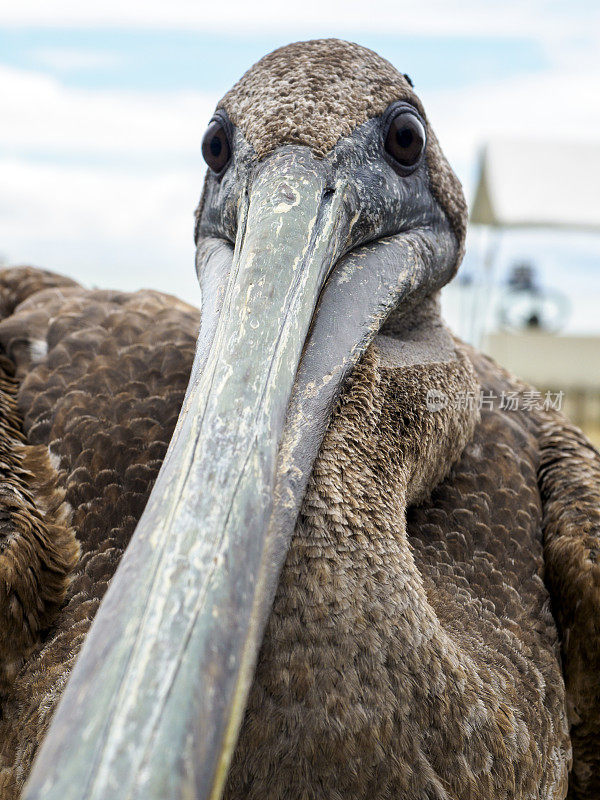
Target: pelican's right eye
216 150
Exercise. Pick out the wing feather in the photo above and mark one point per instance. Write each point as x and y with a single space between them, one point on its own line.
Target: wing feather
569 479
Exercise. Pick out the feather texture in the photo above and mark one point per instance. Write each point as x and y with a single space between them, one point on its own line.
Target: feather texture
413 650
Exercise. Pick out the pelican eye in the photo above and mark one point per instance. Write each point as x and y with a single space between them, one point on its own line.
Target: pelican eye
405 140
216 150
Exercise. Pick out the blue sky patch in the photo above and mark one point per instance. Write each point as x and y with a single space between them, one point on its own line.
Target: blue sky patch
145 60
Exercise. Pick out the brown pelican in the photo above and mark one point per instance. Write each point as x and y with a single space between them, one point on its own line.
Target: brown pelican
365 569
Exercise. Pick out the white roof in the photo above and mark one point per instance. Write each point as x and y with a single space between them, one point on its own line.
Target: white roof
538 184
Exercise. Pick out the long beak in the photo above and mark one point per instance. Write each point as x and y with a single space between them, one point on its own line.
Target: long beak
156 699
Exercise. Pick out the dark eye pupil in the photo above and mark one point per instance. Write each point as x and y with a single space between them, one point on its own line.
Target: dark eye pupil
405 140
215 146
216 150
404 137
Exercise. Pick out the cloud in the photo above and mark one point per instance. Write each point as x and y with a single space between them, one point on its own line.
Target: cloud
69 59
101 185
42 115
531 18
102 226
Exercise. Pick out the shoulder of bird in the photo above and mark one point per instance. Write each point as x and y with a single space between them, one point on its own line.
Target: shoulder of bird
434 626
90 389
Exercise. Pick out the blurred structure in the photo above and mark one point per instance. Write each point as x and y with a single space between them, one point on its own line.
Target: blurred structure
565 366
525 303
526 184
533 185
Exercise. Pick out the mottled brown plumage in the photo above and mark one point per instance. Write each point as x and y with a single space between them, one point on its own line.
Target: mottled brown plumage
425 656
100 406
434 631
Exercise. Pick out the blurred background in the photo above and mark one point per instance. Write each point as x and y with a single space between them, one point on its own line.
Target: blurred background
103 107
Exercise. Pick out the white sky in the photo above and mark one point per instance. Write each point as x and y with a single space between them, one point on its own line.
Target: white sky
548 20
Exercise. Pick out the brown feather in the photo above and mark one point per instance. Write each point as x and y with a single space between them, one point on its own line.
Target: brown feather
101 405
412 660
570 488
412 651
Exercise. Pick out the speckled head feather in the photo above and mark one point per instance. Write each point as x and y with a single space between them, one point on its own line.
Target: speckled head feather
314 93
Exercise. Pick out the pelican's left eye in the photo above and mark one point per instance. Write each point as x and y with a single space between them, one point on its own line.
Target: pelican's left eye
405 140
215 146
